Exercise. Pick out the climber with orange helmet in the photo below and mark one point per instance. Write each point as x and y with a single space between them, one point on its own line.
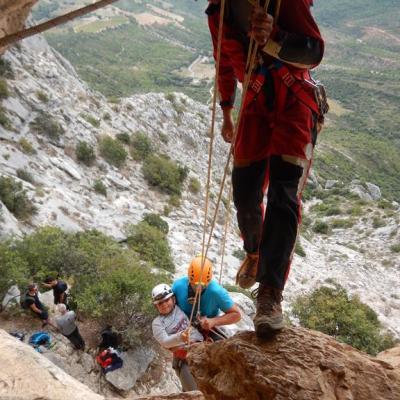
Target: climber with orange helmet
211 296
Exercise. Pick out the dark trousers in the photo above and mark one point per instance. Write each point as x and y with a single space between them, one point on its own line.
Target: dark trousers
272 236
76 339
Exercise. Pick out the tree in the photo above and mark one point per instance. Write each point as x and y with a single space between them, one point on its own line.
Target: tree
330 310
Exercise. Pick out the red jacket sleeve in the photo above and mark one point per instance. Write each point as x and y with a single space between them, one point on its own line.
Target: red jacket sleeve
232 62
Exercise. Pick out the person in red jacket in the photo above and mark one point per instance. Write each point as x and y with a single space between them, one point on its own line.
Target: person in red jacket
276 135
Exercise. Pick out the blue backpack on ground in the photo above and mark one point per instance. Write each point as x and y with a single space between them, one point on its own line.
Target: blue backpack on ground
40 339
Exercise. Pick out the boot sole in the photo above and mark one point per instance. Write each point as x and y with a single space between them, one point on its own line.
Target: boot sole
245 282
266 330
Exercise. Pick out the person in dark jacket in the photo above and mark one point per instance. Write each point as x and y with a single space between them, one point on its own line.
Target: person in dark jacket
276 135
32 302
59 289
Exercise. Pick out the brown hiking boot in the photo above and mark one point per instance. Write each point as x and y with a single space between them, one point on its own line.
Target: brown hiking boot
269 316
246 275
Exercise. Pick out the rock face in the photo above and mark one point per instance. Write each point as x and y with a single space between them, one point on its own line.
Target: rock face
180 396
296 364
26 374
13 15
135 364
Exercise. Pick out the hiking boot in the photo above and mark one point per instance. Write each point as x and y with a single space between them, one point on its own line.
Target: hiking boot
268 318
246 275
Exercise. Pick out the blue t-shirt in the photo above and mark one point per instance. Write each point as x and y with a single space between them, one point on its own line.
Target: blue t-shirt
213 298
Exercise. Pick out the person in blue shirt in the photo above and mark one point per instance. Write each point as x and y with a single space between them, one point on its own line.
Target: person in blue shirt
213 297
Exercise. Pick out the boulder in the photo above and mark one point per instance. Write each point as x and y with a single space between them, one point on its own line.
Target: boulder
27 375
296 364
179 396
391 356
135 365
12 297
374 191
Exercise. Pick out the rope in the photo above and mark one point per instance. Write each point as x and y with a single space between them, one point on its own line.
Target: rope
197 295
251 60
45 26
227 220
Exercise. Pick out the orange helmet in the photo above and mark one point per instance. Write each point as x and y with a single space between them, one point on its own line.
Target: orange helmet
196 277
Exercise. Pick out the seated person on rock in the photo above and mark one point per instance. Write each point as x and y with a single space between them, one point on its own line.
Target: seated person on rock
67 326
213 298
171 330
31 301
59 289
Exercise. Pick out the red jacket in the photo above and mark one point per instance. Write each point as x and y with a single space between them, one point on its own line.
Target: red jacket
294 17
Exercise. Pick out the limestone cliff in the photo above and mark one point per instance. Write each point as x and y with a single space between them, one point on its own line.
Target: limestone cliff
13 14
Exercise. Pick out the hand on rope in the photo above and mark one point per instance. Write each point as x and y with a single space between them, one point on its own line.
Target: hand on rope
185 335
207 323
261 25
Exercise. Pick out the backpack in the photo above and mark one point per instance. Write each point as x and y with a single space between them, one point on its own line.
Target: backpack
40 339
22 301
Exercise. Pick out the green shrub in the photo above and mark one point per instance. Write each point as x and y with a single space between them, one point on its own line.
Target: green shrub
194 185
151 244
4 120
355 211
385 205
100 188
141 146
239 254
42 96
378 222
121 296
395 248
4 92
163 137
238 289
298 249
332 311
109 283
6 69
44 124
26 146
123 137
13 269
174 201
113 151
25 175
15 199
320 227
342 223
156 221
164 174
85 152
107 116
92 120
333 210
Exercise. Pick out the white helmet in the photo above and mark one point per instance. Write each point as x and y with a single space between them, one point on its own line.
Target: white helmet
161 292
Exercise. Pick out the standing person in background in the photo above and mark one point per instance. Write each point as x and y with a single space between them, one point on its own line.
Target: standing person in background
66 324
59 290
213 297
276 136
171 330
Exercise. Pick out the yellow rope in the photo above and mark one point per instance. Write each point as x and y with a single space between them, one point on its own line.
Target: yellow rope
212 135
